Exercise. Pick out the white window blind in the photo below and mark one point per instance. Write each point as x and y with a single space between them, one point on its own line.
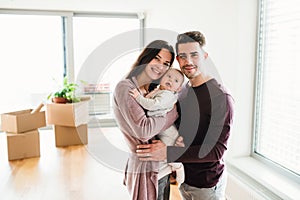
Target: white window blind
277 124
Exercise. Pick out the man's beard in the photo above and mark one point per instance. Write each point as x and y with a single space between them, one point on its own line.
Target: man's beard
192 75
197 73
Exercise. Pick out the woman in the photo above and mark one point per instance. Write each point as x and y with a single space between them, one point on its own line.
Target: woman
151 65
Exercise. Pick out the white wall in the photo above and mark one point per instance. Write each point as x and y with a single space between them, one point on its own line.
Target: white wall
230 29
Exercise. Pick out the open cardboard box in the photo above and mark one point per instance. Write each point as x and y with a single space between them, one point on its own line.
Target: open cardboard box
22 121
70 114
25 145
68 136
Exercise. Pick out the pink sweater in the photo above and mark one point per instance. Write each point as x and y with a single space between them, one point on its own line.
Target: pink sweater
141 178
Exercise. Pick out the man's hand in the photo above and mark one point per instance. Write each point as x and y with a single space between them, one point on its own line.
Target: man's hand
157 151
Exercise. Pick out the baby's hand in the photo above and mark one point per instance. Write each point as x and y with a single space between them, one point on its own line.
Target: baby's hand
150 94
134 93
179 142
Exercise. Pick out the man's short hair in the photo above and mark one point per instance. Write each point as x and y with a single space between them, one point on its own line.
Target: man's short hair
191 36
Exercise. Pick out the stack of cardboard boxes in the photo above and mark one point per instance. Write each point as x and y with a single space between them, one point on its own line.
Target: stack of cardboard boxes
21 128
69 122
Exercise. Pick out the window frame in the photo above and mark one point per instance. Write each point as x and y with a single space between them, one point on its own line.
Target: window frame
258 83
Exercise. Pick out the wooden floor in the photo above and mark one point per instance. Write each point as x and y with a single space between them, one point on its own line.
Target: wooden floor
84 172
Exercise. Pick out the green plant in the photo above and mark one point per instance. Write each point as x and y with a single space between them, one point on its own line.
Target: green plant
67 91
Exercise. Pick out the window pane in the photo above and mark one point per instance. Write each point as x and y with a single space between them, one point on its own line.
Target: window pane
31 57
90 33
278 128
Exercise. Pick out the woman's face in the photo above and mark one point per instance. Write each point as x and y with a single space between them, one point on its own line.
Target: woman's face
159 64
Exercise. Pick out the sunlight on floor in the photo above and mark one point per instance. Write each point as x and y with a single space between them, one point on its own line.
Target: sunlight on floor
93 171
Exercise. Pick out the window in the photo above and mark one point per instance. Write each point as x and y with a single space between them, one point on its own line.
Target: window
100 58
31 57
89 33
277 109
38 48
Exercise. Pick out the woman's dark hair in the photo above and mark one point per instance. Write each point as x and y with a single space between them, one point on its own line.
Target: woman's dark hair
149 52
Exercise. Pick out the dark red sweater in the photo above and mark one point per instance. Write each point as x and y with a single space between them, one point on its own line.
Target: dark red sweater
205 124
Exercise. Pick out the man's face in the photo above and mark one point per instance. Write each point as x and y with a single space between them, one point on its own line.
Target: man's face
189 59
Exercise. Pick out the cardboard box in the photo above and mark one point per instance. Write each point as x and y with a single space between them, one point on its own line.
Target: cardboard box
68 136
72 114
22 121
25 145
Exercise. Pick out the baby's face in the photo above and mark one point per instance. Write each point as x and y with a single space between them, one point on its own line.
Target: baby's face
172 81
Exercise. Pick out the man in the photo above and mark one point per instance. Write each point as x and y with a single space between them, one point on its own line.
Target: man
206 122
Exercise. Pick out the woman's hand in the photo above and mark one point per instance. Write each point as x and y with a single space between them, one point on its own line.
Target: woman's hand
134 93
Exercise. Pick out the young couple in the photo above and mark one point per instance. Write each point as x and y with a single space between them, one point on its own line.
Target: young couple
147 118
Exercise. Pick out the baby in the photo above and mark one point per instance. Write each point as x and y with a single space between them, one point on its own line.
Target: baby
158 102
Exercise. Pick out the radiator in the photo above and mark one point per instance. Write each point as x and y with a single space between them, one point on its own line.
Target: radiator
238 188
